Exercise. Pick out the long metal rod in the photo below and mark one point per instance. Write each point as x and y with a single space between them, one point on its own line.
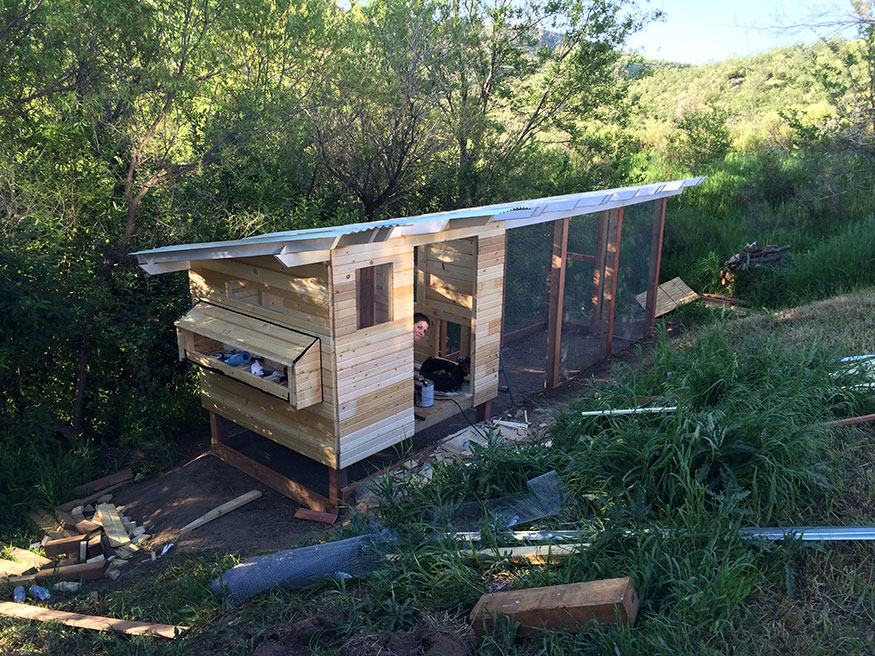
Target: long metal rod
627 411
804 533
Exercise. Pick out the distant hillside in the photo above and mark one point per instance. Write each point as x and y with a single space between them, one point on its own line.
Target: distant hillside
748 88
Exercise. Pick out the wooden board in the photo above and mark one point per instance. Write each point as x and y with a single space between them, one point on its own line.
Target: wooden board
669 295
64 546
13 568
28 557
569 607
219 511
94 622
112 525
92 486
75 572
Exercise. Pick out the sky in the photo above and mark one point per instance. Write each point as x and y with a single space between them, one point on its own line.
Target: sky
697 32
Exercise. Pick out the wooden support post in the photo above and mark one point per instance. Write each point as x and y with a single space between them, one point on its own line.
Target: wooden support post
442 339
558 251
655 261
484 411
337 480
609 289
598 277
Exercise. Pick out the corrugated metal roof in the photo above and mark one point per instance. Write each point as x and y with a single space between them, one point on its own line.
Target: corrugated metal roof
313 245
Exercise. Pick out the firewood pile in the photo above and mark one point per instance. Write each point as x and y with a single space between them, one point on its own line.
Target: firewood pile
89 538
753 256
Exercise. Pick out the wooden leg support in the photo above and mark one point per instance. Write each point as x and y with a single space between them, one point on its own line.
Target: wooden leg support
484 411
263 474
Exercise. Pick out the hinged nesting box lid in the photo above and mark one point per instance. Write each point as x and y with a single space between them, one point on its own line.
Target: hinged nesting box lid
208 332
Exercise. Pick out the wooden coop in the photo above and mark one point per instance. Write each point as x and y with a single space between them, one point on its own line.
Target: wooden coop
328 312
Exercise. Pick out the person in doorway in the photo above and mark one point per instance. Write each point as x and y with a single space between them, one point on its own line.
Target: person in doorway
420 325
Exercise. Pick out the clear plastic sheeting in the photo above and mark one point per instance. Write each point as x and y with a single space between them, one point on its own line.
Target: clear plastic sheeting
298 568
543 500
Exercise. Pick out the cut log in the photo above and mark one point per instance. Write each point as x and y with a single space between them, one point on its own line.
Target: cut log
219 511
94 622
567 607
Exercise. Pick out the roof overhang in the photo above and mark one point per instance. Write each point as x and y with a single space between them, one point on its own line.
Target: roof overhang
297 247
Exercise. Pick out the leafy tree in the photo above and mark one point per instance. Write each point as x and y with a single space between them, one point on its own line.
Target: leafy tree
701 137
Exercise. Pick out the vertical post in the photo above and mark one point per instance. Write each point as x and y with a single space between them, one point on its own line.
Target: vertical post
337 480
484 411
218 429
558 252
609 295
442 339
598 276
655 260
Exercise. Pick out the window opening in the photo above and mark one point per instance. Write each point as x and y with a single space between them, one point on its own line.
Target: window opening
374 294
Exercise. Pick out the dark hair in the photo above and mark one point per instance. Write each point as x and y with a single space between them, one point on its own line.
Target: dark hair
419 316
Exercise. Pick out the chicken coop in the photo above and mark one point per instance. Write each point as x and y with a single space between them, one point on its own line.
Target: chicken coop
305 337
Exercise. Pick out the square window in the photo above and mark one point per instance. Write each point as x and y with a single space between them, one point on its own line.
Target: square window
373 292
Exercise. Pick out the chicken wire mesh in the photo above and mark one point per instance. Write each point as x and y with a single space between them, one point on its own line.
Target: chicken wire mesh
524 341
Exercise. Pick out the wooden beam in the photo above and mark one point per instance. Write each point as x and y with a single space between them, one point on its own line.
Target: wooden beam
656 235
598 276
85 571
123 476
64 546
112 525
28 557
570 607
558 251
91 498
94 622
609 289
220 511
13 568
580 257
519 333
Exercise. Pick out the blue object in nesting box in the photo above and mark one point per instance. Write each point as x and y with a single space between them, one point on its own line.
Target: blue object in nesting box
243 357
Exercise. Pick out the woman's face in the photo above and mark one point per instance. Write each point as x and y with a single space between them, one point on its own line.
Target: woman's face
419 329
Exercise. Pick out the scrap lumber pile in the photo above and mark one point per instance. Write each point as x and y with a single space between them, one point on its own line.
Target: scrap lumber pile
90 539
752 256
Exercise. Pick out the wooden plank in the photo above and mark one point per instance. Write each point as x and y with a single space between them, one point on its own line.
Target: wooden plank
315 516
13 568
64 546
83 571
220 511
94 622
119 477
91 498
555 299
112 525
611 275
598 276
28 557
570 607
656 234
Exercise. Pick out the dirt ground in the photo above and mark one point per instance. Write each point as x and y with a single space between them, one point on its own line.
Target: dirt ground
167 501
